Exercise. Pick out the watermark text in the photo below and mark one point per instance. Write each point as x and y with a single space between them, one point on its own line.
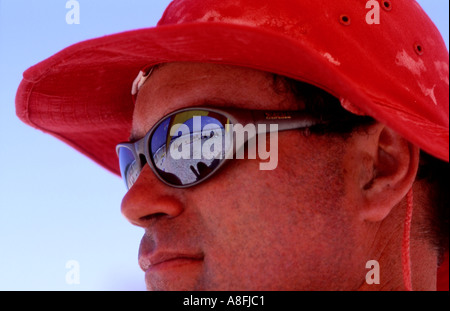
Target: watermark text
73 15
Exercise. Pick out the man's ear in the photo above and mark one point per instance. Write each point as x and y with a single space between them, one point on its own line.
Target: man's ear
395 163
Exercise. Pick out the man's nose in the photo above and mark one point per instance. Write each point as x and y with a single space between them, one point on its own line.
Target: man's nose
149 198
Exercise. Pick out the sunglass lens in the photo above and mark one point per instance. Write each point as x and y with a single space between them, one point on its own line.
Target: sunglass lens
188 146
128 166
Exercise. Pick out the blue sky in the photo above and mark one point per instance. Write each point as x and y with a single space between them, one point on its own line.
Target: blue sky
55 204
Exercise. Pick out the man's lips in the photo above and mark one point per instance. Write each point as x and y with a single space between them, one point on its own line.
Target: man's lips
159 260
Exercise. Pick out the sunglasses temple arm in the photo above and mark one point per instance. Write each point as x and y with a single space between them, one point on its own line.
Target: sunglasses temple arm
265 122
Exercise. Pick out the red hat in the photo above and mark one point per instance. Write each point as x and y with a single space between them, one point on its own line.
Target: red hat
395 68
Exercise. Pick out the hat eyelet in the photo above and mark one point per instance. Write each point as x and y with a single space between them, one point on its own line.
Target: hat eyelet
418 48
344 20
387 5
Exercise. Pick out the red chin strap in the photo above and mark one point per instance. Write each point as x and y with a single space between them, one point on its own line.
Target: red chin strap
406 256
443 275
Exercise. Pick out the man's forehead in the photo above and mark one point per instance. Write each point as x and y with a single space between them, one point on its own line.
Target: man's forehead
179 85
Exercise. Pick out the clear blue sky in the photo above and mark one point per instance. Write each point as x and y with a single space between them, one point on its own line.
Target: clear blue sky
55 204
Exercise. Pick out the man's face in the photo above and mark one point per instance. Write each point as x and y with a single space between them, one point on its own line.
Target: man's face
292 228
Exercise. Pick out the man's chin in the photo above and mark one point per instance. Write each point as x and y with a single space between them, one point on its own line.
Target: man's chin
174 275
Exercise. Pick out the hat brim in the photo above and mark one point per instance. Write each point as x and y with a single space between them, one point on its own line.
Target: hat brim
82 95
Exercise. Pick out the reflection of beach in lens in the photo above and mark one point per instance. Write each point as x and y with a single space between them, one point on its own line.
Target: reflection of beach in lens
187 162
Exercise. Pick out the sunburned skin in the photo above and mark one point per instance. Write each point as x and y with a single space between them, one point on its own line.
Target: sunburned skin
301 226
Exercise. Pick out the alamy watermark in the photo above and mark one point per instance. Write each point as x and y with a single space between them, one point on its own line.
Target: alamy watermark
213 142
373 276
373 16
73 273
73 15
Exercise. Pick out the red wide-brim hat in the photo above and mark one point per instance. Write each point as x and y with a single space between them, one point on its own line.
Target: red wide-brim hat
395 68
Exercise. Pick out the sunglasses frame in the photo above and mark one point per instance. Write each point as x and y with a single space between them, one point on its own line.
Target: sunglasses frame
286 120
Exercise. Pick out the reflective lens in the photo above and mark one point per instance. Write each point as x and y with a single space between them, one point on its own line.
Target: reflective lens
128 166
183 148
188 146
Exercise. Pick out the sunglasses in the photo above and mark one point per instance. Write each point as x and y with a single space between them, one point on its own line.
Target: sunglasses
188 146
